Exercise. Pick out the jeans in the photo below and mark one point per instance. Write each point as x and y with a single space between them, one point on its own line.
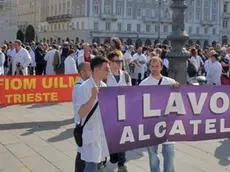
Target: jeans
121 159
168 151
92 167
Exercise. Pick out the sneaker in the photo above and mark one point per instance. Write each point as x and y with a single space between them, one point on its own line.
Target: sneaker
122 169
102 168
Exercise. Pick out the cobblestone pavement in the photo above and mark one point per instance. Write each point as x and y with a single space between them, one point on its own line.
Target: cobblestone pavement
38 138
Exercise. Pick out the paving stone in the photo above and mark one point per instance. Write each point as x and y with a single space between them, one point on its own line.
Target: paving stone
39 164
52 154
21 150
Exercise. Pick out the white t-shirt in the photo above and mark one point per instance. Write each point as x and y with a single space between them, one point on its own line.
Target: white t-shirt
152 81
142 67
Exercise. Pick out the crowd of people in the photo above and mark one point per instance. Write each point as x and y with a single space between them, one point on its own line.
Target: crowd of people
114 64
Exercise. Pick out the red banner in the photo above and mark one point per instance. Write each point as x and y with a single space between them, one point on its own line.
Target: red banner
36 89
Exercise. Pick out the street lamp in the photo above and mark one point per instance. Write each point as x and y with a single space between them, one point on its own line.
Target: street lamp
159 18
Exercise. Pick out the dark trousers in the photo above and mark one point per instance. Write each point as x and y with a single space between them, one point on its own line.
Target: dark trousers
121 159
79 164
40 69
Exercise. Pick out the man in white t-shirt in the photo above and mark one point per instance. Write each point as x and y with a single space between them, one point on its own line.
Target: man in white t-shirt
140 62
168 149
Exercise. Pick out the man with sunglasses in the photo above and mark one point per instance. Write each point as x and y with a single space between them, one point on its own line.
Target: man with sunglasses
117 77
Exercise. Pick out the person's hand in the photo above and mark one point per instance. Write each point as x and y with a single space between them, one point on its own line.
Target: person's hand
176 85
94 93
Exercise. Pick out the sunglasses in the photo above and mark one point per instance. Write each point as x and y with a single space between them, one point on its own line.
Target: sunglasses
118 61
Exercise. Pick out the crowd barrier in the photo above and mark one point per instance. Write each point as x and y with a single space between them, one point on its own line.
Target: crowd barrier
36 89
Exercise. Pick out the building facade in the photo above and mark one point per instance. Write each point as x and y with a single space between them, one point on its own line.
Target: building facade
133 21
28 12
8 20
225 32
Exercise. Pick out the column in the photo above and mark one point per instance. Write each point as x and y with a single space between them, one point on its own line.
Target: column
178 55
102 6
114 7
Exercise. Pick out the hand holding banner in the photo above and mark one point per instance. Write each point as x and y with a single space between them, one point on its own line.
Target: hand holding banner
143 116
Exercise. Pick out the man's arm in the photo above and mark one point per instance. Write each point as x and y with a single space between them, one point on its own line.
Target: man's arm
86 108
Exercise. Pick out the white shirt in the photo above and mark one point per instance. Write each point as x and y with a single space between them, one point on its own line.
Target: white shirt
70 65
142 67
32 55
111 81
214 73
207 64
152 81
94 148
49 57
75 92
23 57
2 60
127 57
81 58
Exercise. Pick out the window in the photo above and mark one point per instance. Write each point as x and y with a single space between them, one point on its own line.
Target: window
95 26
206 30
214 31
148 13
206 3
214 17
138 27
107 26
190 29
118 11
83 10
59 10
157 27
82 25
138 12
190 15
64 7
129 27
78 10
225 8
56 10
166 28
78 28
68 7
198 3
96 9
129 11
197 30
108 9
225 23
118 27
148 27
197 15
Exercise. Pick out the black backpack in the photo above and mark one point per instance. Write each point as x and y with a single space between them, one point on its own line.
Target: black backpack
191 70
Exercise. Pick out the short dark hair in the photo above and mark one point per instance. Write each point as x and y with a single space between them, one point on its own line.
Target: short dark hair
97 62
111 55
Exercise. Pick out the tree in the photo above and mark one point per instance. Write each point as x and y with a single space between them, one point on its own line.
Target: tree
30 33
20 35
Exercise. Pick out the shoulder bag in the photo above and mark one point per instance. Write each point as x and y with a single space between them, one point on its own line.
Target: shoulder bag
78 131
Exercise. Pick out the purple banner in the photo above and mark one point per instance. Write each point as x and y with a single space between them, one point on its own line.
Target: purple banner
142 116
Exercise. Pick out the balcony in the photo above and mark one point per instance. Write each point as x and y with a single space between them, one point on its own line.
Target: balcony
207 23
227 15
108 17
60 18
150 19
156 19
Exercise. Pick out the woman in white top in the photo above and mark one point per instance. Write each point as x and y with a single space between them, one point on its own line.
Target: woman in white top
70 63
